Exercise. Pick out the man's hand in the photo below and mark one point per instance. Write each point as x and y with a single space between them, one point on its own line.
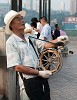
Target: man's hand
45 74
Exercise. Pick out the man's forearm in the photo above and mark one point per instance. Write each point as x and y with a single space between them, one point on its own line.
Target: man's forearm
27 31
26 70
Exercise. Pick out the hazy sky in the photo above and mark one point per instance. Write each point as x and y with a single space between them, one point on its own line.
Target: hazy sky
56 4
3 1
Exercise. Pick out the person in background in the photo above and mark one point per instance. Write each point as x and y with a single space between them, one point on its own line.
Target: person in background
29 30
62 33
39 26
45 34
23 59
56 31
46 31
34 25
45 38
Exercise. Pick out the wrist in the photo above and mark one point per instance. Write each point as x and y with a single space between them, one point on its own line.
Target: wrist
37 72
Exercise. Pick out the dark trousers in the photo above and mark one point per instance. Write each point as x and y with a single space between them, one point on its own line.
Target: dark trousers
37 88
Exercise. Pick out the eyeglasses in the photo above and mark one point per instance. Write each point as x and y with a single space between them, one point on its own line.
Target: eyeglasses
19 18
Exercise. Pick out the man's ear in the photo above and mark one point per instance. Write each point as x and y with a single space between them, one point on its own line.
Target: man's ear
10 25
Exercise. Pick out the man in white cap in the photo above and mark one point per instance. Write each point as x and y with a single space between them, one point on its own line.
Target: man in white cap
22 57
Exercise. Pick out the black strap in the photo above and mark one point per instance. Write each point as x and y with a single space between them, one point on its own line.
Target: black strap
25 84
21 75
33 47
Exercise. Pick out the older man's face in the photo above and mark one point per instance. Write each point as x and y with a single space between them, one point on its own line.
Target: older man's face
18 23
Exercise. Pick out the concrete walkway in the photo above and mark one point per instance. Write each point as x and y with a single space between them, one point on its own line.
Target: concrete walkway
63 85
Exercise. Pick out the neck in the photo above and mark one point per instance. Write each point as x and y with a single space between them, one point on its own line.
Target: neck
19 33
45 23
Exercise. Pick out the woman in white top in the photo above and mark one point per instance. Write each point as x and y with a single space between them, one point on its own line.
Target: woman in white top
29 30
39 25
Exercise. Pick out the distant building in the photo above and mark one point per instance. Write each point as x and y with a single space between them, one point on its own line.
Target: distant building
36 5
62 6
4 8
70 23
73 7
28 4
31 5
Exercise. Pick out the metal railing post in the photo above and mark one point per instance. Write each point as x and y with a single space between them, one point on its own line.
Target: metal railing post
14 5
40 8
49 10
20 5
45 8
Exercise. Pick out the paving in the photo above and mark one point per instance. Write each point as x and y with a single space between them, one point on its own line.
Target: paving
63 84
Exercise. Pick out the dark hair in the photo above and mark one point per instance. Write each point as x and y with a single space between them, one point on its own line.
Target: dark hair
34 19
44 18
34 24
56 25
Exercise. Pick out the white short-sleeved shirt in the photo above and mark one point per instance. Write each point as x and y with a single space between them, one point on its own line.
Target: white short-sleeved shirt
28 26
39 26
46 32
20 52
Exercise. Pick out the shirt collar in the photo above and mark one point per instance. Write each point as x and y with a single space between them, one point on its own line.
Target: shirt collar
20 39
